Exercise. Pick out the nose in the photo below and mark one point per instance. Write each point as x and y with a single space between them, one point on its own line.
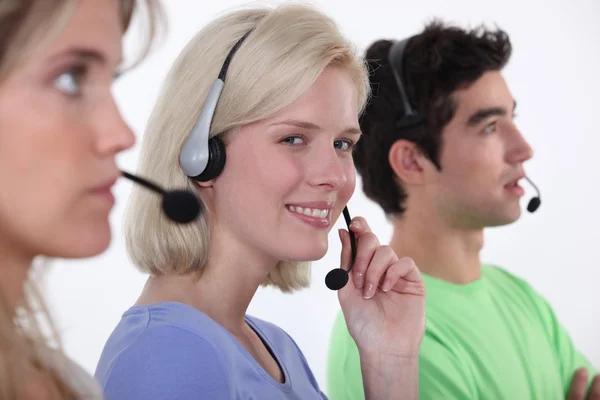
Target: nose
113 134
519 149
327 169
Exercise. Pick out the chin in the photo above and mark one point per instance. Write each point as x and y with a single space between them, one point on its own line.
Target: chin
87 243
504 219
309 252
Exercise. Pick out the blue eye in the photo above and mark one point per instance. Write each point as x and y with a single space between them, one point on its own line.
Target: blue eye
293 140
490 128
343 145
69 81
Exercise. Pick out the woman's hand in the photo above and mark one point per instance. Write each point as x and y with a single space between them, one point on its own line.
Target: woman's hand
384 299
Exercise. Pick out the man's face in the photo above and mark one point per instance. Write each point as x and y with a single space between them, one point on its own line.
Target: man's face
482 157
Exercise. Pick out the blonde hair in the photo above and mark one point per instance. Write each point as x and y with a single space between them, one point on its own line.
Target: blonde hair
27 334
287 49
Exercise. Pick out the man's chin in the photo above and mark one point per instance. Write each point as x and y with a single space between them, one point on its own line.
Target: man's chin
503 220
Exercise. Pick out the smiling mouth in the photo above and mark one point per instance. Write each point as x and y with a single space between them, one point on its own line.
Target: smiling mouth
309 212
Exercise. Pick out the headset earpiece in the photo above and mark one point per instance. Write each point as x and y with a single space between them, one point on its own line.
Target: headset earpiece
216 160
203 158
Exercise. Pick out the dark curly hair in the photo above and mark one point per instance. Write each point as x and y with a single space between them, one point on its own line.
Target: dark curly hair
438 61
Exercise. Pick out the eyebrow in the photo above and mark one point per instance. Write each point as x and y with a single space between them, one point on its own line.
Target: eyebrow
313 127
83 53
485 113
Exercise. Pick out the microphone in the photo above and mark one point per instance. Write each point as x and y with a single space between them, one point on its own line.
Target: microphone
535 202
338 277
180 206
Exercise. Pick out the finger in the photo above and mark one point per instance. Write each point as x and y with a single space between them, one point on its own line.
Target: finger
365 249
412 273
383 258
578 384
359 226
346 256
594 393
396 278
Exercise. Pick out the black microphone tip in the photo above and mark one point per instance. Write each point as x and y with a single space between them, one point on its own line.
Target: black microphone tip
336 279
181 206
533 204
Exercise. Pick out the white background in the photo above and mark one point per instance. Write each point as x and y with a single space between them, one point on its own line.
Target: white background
554 77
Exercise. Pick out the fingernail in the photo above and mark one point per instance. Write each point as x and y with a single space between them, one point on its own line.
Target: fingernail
359 280
355 224
340 233
387 285
369 292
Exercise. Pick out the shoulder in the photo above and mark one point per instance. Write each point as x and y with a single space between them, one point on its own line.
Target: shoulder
517 289
80 382
275 335
157 359
497 277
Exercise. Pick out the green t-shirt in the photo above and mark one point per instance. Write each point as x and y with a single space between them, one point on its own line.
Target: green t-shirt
495 339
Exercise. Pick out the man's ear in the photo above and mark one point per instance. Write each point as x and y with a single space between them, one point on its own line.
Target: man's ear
406 160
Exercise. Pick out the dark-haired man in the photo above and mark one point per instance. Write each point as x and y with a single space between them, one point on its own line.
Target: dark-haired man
442 156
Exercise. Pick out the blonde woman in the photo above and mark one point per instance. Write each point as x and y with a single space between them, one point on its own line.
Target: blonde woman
59 133
279 174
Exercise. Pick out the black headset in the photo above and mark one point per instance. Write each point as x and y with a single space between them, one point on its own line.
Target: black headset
411 116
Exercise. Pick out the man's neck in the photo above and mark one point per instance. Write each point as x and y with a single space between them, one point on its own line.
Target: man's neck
439 251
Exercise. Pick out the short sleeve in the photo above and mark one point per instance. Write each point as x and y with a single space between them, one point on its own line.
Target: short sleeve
441 373
167 362
569 357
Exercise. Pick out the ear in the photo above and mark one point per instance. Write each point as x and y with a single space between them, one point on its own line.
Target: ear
407 162
206 184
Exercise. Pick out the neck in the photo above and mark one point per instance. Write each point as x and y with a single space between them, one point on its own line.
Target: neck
15 267
440 251
223 291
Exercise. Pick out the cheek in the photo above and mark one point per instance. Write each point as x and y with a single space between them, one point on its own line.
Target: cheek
42 160
347 190
472 163
265 173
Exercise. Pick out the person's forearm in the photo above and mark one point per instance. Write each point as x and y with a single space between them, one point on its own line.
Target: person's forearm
388 377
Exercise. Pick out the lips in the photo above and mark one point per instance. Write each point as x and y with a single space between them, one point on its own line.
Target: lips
316 214
106 185
310 212
515 181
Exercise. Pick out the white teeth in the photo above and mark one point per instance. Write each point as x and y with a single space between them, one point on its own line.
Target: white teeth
311 212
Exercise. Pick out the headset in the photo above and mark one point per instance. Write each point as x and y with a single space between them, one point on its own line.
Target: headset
413 117
203 158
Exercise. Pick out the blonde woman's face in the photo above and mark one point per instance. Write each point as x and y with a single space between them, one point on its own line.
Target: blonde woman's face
288 178
59 133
